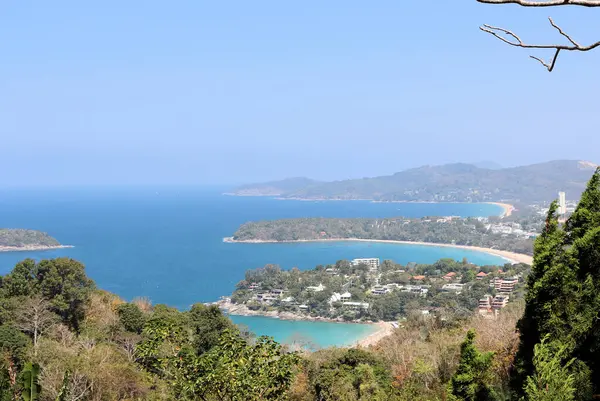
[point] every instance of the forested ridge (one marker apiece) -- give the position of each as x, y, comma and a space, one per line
471, 231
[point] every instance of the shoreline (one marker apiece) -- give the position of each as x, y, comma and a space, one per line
384, 329
30, 248
512, 257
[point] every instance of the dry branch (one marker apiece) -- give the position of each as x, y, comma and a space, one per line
512, 39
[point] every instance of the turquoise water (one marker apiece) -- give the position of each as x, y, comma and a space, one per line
311, 335
166, 243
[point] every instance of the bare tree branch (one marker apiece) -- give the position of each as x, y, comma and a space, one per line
545, 3
512, 39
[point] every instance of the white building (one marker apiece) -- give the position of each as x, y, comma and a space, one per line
562, 203
346, 296
356, 305
373, 263
318, 288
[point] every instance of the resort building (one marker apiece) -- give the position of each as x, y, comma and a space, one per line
485, 304
500, 301
508, 285
373, 263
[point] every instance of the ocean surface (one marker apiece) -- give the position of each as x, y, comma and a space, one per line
167, 243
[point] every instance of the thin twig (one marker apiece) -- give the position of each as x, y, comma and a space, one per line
512, 39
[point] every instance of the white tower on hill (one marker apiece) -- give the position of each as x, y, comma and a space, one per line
562, 203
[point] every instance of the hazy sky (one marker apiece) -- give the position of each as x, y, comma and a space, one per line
206, 92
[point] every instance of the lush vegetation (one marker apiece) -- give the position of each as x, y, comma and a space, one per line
403, 299
452, 182
63, 339
13, 237
469, 231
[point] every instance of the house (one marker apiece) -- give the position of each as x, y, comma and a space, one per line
303, 307
318, 288
356, 305
288, 300
254, 286
331, 271
418, 278
277, 292
450, 276
480, 276
346, 296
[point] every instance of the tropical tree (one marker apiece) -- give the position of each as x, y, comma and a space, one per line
552, 379
472, 378
563, 299
236, 370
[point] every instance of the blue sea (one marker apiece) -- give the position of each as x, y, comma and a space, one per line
166, 243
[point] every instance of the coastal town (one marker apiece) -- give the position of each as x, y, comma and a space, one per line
367, 290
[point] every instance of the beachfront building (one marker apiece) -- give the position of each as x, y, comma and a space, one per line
373, 263
335, 297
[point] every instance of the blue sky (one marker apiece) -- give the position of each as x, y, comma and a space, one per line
221, 92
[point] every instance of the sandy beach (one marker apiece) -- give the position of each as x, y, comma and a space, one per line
508, 208
512, 257
32, 248
385, 329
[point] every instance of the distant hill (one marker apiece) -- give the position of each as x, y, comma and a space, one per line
275, 188
488, 164
457, 182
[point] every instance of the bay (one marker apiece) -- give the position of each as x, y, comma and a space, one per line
165, 243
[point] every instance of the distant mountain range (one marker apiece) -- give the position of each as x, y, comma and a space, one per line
457, 182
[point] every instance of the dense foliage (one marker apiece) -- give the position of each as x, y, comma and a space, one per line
563, 298
16, 237
62, 339
451, 182
469, 231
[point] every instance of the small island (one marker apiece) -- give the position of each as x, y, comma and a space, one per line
18, 239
